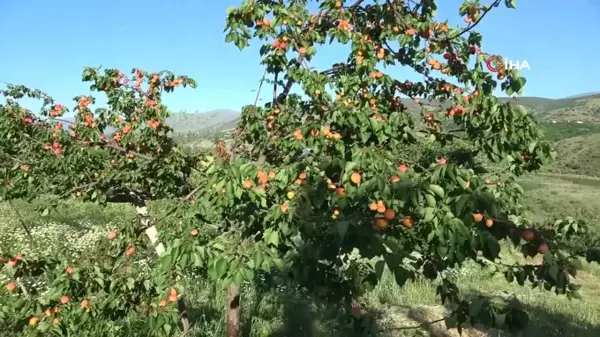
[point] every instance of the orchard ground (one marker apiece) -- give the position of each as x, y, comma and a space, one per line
282, 310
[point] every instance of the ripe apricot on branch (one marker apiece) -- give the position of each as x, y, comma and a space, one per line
248, 184
381, 224
527, 235
477, 217
542, 248
407, 222
130, 251
489, 222
355, 178
380, 207
11, 286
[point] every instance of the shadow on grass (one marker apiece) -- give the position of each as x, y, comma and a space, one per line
201, 315
543, 322
298, 320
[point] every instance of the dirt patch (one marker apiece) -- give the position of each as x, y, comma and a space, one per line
398, 322
589, 282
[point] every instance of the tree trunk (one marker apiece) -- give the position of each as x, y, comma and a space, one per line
233, 311
152, 234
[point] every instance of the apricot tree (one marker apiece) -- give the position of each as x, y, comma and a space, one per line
138, 163
309, 180
330, 171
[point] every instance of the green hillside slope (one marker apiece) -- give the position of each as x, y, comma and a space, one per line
577, 155
585, 109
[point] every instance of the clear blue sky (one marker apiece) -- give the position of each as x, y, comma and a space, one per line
45, 44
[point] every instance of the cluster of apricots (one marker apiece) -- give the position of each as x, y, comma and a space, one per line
472, 14
57, 111
527, 235
121, 79
284, 207
478, 217
139, 77
55, 147
385, 216
281, 44
457, 110
172, 297
434, 63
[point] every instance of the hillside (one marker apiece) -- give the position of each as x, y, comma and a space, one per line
584, 108
571, 109
560, 131
212, 120
578, 155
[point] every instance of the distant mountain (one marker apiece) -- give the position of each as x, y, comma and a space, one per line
192, 122
585, 95
582, 108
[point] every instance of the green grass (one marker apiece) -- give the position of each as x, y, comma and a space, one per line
560, 131
553, 196
577, 155
285, 310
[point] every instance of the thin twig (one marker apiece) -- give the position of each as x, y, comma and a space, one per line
468, 28
21, 221
260, 86
420, 325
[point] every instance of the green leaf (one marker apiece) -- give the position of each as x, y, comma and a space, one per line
428, 214
342, 228
167, 328
491, 247
401, 275
273, 238
258, 259
437, 189
475, 307
238, 278
430, 200
379, 268
349, 167
220, 267
451, 321
279, 264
